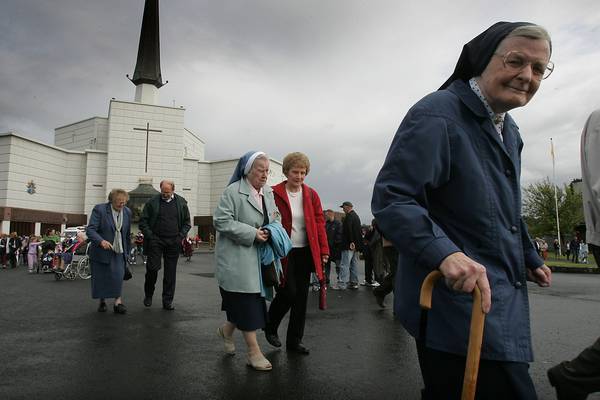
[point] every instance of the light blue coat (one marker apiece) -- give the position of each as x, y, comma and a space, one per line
236, 219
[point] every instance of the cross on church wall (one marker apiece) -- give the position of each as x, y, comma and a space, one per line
147, 130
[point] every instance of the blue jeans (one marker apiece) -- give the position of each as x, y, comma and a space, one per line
348, 269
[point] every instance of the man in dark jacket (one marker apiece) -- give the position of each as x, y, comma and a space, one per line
14, 244
3, 253
351, 244
165, 222
333, 228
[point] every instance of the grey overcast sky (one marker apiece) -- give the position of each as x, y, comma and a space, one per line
332, 78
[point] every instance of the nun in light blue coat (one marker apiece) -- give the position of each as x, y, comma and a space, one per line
246, 205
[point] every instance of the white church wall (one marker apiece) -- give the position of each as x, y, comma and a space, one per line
275, 173
188, 187
87, 134
193, 146
221, 172
95, 180
204, 189
74, 183
4, 166
56, 173
127, 147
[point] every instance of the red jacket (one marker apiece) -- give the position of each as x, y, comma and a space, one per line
313, 219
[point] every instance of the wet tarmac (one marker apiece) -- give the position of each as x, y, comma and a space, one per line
54, 345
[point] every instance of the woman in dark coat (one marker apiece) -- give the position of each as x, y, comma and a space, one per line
108, 232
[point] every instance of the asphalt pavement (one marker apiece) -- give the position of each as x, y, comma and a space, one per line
54, 345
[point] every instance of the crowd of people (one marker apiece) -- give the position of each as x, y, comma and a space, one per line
575, 250
458, 213
47, 253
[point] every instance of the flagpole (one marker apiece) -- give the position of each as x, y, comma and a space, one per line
555, 196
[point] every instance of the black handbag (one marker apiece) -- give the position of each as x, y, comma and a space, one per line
269, 275
127, 275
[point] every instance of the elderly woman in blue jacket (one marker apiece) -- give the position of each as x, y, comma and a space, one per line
108, 231
460, 212
245, 207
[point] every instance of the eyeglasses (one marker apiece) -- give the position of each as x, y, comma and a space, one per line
517, 62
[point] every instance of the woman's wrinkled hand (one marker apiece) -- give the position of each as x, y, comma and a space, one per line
541, 275
262, 235
463, 274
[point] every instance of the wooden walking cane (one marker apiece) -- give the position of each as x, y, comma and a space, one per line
475, 333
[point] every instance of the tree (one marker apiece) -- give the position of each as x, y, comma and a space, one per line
539, 209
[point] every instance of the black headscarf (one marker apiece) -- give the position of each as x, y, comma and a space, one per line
476, 54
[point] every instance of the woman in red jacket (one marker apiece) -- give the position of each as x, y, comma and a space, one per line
302, 217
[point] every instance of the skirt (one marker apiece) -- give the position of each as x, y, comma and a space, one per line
107, 279
247, 311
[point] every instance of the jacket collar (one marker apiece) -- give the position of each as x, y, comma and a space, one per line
246, 190
466, 95
110, 216
281, 191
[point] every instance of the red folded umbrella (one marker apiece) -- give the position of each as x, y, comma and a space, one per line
323, 295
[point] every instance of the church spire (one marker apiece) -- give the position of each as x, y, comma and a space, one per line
147, 77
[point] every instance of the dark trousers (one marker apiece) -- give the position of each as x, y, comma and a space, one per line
595, 250
168, 250
583, 372
12, 258
575, 253
327, 269
368, 254
387, 285
293, 295
443, 375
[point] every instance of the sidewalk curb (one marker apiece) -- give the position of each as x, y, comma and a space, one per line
576, 270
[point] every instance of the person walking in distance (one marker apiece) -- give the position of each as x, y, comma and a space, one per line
165, 222
333, 228
351, 244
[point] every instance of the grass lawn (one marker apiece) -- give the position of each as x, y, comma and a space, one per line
562, 262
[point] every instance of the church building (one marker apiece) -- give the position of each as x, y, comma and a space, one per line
134, 147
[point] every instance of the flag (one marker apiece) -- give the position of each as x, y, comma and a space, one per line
552, 151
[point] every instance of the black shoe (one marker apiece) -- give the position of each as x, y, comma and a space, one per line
168, 306
147, 301
379, 298
119, 308
273, 339
102, 307
298, 348
566, 388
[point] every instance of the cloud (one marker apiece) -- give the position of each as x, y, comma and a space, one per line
332, 79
